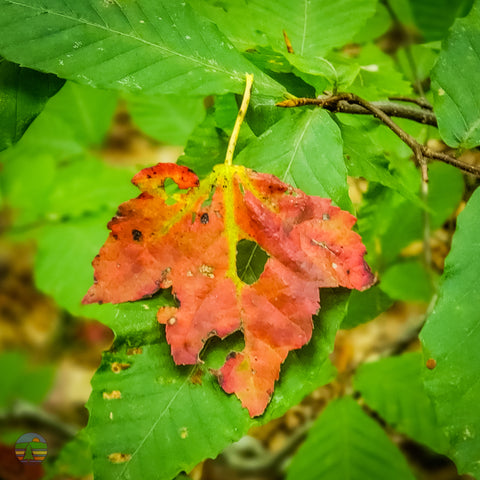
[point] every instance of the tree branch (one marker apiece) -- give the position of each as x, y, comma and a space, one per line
351, 103
419, 115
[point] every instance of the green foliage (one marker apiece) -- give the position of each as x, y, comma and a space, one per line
434, 17
293, 151
166, 118
187, 416
74, 460
23, 93
345, 443
314, 27
153, 47
365, 306
388, 222
177, 68
457, 96
407, 281
393, 387
450, 337
21, 380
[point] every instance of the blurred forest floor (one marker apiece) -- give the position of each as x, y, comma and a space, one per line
31, 323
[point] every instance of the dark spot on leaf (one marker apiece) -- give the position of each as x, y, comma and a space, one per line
115, 236
204, 218
136, 235
196, 377
231, 355
348, 271
135, 351
100, 302
117, 367
431, 363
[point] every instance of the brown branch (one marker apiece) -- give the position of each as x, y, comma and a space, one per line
421, 102
418, 115
350, 103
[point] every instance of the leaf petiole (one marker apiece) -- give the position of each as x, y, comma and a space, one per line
240, 116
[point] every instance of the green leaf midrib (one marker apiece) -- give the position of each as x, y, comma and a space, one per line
155, 423
166, 51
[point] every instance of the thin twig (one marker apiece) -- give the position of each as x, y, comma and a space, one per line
408, 50
418, 115
421, 102
334, 104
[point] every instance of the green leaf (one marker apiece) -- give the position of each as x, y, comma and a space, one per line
167, 118
365, 157
393, 387
304, 150
407, 281
434, 17
151, 417
451, 337
388, 222
64, 256
365, 306
86, 186
457, 97
50, 173
334, 72
313, 26
74, 459
77, 117
375, 26
147, 45
22, 380
378, 76
23, 93
345, 443
206, 147
425, 57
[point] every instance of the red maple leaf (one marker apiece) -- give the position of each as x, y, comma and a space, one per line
191, 246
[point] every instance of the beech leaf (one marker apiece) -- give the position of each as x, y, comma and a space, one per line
188, 241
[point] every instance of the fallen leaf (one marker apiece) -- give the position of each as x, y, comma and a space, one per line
188, 241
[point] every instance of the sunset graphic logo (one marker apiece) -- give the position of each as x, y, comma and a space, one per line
31, 448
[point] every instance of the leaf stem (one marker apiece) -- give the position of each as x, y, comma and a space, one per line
238, 122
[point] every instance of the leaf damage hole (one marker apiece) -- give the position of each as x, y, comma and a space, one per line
251, 260
135, 351
118, 457
172, 189
113, 395
117, 367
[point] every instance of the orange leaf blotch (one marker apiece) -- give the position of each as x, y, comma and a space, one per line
153, 178
190, 246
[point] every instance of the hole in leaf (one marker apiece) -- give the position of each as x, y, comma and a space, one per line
251, 260
172, 189
216, 350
